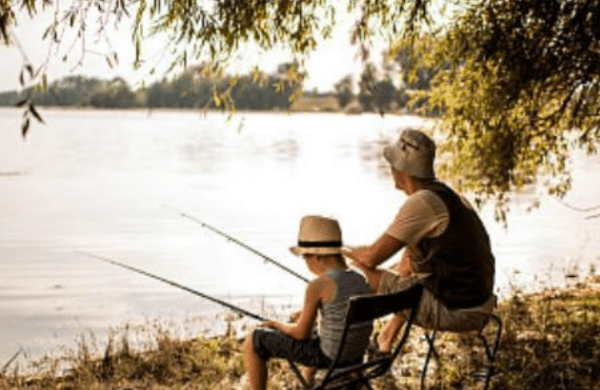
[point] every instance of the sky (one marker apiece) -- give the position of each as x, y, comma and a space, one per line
334, 58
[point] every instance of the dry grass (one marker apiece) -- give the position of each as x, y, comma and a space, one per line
551, 341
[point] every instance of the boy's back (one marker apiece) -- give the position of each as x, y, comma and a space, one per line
347, 284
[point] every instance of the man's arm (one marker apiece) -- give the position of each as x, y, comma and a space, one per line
373, 255
302, 328
404, 267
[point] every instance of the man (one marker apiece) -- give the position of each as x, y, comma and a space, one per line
445, 242
319, 244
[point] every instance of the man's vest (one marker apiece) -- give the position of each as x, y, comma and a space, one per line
460, 259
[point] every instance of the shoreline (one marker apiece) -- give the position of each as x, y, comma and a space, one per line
219, 111
547, 334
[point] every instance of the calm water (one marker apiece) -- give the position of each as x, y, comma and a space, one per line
103, 182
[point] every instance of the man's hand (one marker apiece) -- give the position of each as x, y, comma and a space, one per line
369, 257
359, 256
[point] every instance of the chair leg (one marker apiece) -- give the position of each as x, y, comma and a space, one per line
364, 382
431, 341
430, 351
489, 371
299, 375
491, 352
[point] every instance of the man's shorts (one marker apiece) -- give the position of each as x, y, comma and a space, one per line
270, 343
433, 314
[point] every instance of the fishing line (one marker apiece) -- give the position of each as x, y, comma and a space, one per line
175, 284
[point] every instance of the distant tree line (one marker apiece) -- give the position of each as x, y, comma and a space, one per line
197, 88
194, 88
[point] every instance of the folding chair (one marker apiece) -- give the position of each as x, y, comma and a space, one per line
366, 308
490, 351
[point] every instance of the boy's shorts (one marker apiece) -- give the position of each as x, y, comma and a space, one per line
433, 314
270, 343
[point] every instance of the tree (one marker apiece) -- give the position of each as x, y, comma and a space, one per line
366, 84
344, 90
516, 81
116, 94
384, 94
416, 76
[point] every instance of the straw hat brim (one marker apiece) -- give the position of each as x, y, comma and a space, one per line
298, 250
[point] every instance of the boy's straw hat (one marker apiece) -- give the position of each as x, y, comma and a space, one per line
413, 153
318, 235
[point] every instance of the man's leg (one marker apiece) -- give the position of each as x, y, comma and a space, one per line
255, 366
392, 283
309, 374
389, 333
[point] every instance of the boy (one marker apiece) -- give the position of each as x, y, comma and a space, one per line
319, 244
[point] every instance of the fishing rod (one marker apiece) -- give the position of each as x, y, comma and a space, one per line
230, 238
3, 370
206, 296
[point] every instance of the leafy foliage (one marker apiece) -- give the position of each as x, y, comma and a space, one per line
517, 83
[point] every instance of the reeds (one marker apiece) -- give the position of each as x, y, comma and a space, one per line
551, 341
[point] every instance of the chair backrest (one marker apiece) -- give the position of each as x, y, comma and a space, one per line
367, 308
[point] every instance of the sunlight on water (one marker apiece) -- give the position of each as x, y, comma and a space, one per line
113, 183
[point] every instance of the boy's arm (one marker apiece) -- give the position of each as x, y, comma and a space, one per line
302, 328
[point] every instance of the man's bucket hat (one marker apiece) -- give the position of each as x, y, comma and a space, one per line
413, 153
318, 235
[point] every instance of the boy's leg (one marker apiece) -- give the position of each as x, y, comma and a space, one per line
263, 344
255, 366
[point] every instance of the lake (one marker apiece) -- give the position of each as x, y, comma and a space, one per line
114, 184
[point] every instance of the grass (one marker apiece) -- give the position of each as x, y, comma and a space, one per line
551, 341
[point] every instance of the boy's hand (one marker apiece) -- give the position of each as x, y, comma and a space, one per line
294, 316
270, 324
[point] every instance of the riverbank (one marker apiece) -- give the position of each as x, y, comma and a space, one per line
550, 340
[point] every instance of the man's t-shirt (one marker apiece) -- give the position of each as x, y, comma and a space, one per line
423, 215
